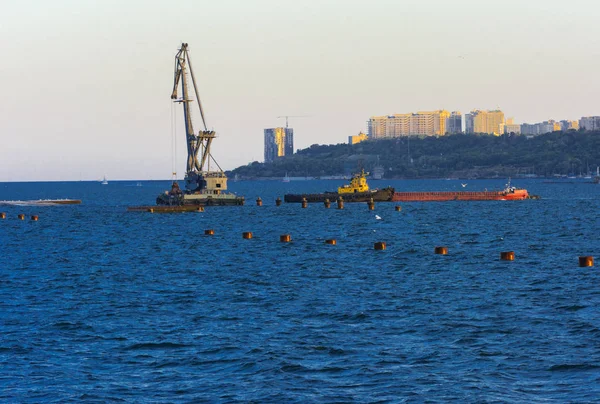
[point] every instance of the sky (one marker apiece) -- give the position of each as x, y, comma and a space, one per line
86, 85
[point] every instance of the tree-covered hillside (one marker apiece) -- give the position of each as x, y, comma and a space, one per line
459, 155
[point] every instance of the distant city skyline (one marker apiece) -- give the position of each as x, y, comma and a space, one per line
87, 84
442, 122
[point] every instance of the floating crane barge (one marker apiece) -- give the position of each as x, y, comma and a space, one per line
203, 186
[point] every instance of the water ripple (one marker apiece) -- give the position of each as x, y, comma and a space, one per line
101, 305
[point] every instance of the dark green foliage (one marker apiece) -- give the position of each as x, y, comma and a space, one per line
459, 155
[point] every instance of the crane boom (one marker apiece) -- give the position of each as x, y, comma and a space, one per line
292, 116
196, 168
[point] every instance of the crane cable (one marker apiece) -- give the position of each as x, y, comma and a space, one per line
173, 141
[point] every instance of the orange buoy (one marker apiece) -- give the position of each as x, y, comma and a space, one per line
258, 201
34, 218
304, 203
441, 250
278, 201
371, 204
380, 245
507, 255
21, 216
247, 235
2, 215
327, 203
285, 238
331, 241
150, 210
340, 203
398, 208
200, 209
209, 232
586, 261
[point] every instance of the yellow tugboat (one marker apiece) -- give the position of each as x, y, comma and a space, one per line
358, 183
357, 191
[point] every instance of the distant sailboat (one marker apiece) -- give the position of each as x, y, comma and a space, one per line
588, 175
286, 178
104, 181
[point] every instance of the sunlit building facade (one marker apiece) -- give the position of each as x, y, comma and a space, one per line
279, 142
566, 125
490, 122
423, 123
549, 126
361, 137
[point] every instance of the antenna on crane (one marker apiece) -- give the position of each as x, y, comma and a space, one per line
291, 116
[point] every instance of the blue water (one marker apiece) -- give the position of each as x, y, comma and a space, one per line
98, 304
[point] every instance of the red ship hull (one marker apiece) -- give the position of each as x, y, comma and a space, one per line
513, 195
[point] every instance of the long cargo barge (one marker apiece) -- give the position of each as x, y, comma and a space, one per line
509, 194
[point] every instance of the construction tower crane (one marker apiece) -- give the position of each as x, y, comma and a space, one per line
292, 116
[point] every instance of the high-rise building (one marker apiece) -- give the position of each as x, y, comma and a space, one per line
566, 125
279, 142
489, 122
530, 129
357, 138
541, 127
549, 126
590, 122
376, 127
424, 123
469, 123
454, 123
511, 128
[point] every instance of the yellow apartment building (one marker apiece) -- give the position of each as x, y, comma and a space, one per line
491, 122
423, 123
361, 137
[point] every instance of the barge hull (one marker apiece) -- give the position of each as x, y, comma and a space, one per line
381, 195
195, 200
165, 208
517, 195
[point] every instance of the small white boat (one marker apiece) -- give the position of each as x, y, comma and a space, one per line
286, 178
104, 181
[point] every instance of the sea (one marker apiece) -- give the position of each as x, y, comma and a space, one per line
98, 304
